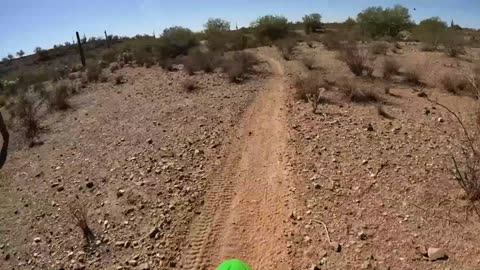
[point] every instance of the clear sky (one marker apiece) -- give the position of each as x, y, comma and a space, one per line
25, 24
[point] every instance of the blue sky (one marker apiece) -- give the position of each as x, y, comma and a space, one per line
26, 24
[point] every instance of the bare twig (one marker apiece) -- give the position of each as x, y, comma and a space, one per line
326, 229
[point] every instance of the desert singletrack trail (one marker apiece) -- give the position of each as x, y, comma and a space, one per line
248, 200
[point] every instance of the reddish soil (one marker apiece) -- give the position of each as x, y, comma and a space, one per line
177, 180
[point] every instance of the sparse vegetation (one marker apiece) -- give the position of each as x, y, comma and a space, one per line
357, 60
25, 108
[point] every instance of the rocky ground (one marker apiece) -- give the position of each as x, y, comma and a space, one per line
383, 188
134, 157
165, 176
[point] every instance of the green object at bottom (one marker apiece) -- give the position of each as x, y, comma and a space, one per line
234, 264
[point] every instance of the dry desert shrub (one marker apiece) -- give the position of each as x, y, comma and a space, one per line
454, 84
93, 72
413, 75
58, 98
189, 85
379, 48
286, 47
357, 60
309, 62
390, 68
118, 79
358, 93
331, 41
26, 109
239, 65
198, 60
311, 89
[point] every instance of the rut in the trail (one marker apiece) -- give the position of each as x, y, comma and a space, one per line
248, 201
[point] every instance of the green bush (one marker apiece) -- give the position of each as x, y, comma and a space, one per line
175, 41
431, 32
109, 55
271, 28
312, 22
380, 22
217, 34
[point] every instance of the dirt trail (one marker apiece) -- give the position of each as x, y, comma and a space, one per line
249, 200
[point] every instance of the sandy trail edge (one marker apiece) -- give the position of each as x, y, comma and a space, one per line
248, 199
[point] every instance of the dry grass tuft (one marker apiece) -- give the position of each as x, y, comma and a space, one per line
26, 109
286, 47
331, 41
80, 216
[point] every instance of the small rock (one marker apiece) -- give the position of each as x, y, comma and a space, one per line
132, 263
422, 94
307, 239
153, 232
149, 141
315, 267
422, 250
440, 120
437, 254
119, 243
369, 127
362, 235
317, 185
120, 193
7, 257
143, 266
90, 185
336, 246
37, 239
60, 188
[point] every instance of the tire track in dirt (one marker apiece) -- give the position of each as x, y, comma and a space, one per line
248, 200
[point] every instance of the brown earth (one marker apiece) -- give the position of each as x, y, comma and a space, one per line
176, 180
